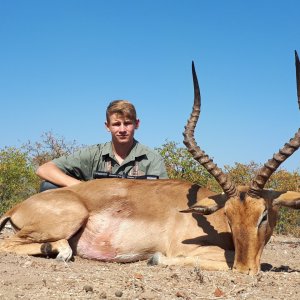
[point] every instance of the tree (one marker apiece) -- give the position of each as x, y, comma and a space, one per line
48, 148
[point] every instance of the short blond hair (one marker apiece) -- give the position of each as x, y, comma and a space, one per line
123, 108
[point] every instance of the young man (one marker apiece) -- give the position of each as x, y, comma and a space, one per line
123, 155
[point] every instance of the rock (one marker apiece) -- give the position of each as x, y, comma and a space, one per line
118, 293
88, 289
102, 295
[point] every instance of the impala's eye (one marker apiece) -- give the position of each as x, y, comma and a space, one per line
263, 218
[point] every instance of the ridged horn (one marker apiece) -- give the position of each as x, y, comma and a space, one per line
199, 155
297, 63
289, 148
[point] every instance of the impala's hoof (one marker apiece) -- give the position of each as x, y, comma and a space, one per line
65, 254
155, 259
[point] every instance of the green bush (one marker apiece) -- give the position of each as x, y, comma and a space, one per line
17, 178
181, 165
289, 219
288, 222
242, 174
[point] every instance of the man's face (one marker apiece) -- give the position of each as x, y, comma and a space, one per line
121, 128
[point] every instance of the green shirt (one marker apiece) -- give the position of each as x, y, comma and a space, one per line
83, 163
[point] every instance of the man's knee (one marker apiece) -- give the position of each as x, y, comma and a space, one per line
47, 185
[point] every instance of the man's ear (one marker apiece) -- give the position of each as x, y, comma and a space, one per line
137, 123
106, 126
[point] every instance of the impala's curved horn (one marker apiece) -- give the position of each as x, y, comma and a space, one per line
297, 63
289, 148
199, 155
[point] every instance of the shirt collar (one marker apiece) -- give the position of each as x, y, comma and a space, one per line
136, 151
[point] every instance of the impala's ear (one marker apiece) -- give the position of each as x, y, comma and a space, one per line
201, 210
288, 199
207, 206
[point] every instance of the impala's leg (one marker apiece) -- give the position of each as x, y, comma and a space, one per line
21, 246
61, 248
32, 242
46, 225
206, 258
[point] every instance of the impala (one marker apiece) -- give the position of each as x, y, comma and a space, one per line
165, 221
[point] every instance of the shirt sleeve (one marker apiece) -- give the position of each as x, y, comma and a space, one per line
80, 164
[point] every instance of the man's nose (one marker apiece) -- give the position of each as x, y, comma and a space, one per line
122, 127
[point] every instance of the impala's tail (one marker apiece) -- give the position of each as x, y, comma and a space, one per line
3, 220
6, 217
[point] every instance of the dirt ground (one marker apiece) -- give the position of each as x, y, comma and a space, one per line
26, 277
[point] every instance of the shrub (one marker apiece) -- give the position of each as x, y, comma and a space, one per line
289, 219
17, 177
17, 167
181, 165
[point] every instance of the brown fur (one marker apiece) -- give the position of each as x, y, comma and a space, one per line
128, 220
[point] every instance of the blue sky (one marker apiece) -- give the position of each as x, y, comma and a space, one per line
62, 62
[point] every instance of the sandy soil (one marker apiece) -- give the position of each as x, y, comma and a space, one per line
26, 277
